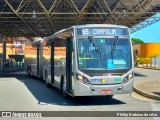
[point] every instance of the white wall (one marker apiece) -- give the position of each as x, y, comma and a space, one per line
157, 61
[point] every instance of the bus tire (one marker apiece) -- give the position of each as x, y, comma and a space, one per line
62, 82
30, 73
64, 87
46, 80
28, 70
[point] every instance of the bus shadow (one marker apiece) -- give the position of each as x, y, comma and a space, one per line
136, 74
54, 96
95, 100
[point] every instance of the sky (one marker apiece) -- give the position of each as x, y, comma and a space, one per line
148, 34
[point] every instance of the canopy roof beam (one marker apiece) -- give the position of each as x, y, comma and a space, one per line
28, 25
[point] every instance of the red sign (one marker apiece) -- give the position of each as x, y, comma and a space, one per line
106, 91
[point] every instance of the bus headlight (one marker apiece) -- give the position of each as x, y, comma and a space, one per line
128, 78
82, 79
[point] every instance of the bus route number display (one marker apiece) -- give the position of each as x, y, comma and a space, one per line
102, 31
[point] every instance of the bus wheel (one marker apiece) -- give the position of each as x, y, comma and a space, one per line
46, 80
30, 73
108, 96
27, 69
64, 87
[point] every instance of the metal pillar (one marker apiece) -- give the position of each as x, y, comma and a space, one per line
0, 51
4, 55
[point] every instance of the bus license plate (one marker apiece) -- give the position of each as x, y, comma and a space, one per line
106, 91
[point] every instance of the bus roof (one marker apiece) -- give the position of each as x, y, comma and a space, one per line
83, 26
99, 25
37, 42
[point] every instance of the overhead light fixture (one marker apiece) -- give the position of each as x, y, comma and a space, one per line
34, 14
115, 21
124, 13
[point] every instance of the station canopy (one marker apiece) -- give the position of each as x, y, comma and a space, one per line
42, 18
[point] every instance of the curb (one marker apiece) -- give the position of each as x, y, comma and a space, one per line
10, 71
148, 68
145, 94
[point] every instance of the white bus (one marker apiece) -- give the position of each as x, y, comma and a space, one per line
85, 60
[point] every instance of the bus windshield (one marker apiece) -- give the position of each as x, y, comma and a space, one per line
111, 55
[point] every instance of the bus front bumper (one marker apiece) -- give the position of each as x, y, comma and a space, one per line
101, 90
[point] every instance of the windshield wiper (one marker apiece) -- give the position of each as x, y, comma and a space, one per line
113, 47
97, 49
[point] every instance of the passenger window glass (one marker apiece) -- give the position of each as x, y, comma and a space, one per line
104, 54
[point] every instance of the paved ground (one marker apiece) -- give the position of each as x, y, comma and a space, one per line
147, 83
149, 89
23, 93
145, 75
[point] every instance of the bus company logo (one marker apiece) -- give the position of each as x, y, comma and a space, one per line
95, 80
98, 80
103, 81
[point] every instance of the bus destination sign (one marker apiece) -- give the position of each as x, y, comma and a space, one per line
102, 31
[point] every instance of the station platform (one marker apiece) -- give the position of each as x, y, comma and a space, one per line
11, 69
149, 89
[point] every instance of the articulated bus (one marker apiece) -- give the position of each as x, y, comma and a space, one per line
84, 60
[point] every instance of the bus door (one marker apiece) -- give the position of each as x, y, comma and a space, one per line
52, 63
69, 64
38, 57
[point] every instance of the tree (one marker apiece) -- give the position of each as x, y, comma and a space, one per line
137, 41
